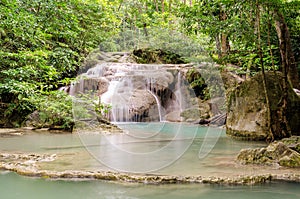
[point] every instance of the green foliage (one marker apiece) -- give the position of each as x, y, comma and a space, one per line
148, 55
42, 45
88, 103
54, 109
236, 20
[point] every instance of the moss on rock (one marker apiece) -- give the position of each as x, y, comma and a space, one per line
158, 56
275, 153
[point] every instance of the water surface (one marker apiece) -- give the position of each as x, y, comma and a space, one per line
13, 186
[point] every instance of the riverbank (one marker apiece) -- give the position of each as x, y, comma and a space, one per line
6, 132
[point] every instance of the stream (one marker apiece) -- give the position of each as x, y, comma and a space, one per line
77, 152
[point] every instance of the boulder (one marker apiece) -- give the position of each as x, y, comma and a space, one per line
35, 120
292, 142
143, 107
247, 110
173, 116
230, 79
195, 114
99, 85
277, 153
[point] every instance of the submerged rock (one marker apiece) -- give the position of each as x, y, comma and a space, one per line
29, 165
277, 153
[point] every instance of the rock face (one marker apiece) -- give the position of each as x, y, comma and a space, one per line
136, 92
230, 80
277, 153
150, 85
247, 111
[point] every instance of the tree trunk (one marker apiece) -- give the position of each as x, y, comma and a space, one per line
218, 46
289, 65
257, 30
281, 127
162, 6
224, 38
156, 5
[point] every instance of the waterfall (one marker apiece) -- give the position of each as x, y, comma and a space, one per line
178, 93
158, 106
177, 103
134, 90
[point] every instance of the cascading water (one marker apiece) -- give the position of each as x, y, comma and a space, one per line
136, 92
158, 106
178, 103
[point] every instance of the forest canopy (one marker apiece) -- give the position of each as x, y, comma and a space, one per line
43, 43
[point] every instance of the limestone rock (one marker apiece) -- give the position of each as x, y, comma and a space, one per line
143, 107
247, 111
292, 142
193, 114
230, 79
173, 116
34, 120
275, 153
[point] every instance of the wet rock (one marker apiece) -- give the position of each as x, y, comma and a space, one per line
173, 117
203, 121
92, 84
195, 114
28, 165
10, 132
96, 126
277, 153
141, 103
191, 115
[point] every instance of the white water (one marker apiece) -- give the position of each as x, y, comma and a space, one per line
131, 87
179, 104
158, 106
